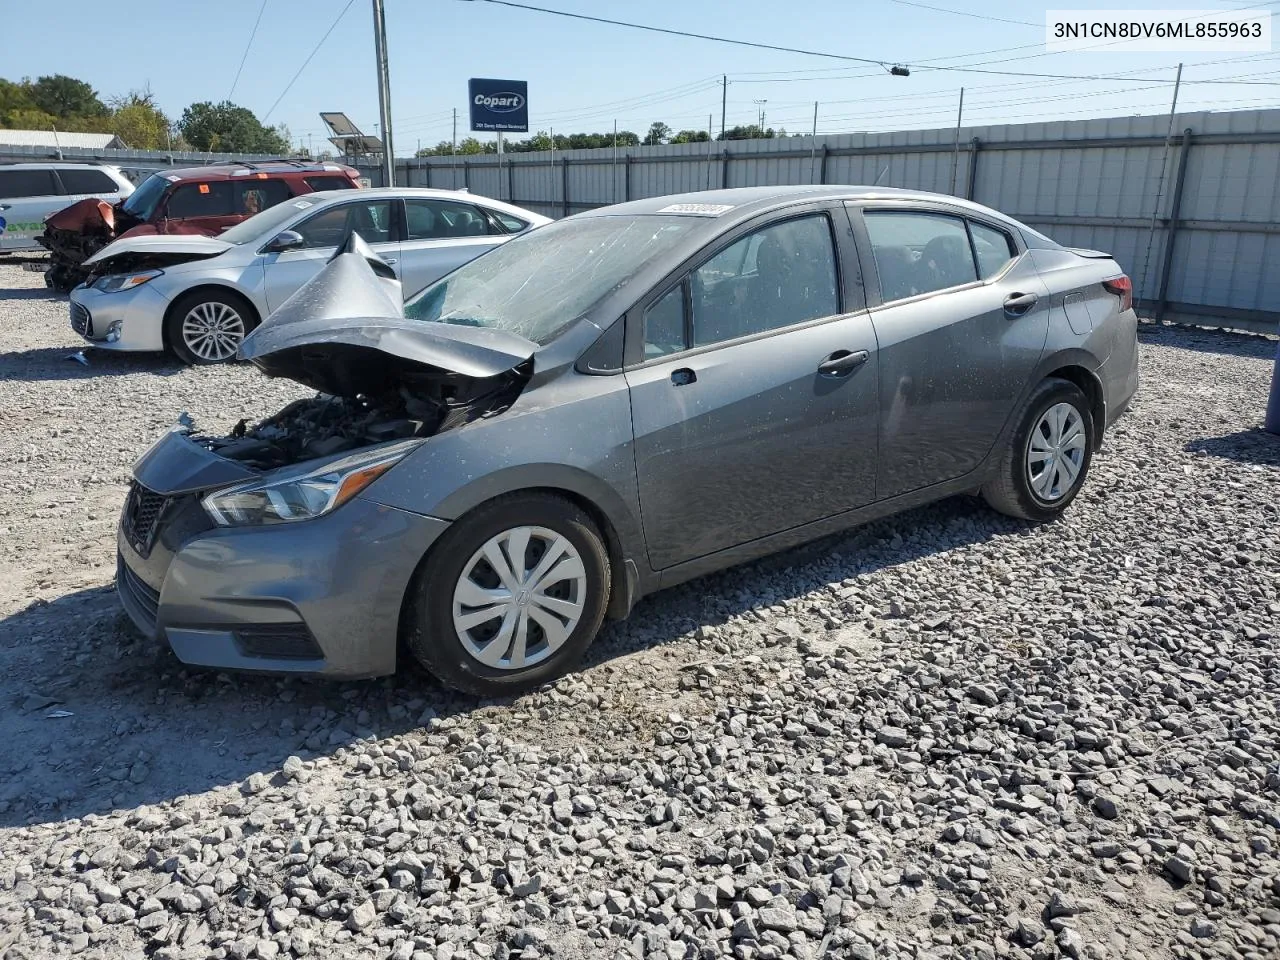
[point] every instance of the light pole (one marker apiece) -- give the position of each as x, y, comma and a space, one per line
384, 94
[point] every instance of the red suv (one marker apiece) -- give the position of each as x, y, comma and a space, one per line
199, 200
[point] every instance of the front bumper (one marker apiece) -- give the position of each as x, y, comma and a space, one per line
320, 596
137, 314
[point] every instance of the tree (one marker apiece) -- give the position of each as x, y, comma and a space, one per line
658, 133
228, 128
469, 146
751, 131
65, 97
691, 136
141, 124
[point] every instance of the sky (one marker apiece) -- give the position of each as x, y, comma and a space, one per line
583, 76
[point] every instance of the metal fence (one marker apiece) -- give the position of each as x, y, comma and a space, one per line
1194, 218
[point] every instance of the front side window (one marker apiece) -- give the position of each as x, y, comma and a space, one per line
778, 276
16, 184
191, 200
664, 324
88, 180
371, 219
918, 253
443, 219
992, 247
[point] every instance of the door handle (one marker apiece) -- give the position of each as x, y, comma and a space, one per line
842, 363
1019, 304
5, 206
390, 260
683, 376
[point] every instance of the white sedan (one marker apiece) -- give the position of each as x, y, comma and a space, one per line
200, 296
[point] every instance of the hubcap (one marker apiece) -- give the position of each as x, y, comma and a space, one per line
213, 331
1055, 452
519, 598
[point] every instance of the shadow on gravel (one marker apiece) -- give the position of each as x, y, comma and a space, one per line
29, 293
58, 363
1225, 342
143, 728
1244, 446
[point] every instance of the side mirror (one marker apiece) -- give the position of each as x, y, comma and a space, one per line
285, 240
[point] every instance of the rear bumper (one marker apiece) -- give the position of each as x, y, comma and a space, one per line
317, 597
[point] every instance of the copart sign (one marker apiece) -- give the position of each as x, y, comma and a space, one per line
499, 105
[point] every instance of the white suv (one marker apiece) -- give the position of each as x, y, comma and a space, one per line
29, 192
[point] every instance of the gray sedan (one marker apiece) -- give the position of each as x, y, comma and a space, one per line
611, 404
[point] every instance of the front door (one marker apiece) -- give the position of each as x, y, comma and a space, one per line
754, 410
961, 325
322, 232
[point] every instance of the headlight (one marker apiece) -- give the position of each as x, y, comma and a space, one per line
125, 281
305, 494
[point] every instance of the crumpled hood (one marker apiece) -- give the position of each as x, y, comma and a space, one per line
344, 333
192, 245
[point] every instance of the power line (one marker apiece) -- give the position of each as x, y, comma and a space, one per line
314, 51
252, 33
964, 13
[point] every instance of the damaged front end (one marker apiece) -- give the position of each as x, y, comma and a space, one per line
74, 235
382, 381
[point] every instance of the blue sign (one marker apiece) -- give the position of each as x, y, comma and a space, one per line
499, 105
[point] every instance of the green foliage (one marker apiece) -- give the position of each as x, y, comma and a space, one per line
141, 124
227, 128
66, 97
750, 131
690, 136
658, 133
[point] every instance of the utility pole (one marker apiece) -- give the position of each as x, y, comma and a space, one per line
384, 94
615, 162
813, 142
710, 128
955, 157
1139, 294
724, 99
453, 175
760, 115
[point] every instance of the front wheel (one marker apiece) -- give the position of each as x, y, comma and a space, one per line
208, 326
1047, 459
511, 596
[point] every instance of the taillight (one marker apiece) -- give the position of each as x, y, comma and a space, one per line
1122, 287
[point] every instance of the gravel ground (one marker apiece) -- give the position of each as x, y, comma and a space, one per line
943, 735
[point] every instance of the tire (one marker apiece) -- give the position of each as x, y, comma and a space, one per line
1017, 488
209, 310
450, 636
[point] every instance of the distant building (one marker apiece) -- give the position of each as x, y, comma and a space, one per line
54, 141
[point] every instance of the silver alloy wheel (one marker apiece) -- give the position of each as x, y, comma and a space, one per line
519, 598
213, 330
1055, 452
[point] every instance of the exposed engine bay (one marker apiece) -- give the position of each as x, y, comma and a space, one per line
324, 425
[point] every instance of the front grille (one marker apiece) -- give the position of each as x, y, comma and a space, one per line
81, 321
144, 601
142, 512
277, 641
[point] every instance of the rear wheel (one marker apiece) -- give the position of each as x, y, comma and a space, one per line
1045, 463
511, 597
208, 326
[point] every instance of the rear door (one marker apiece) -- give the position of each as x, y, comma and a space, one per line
322, 232
26, 198
961, 316
753, 393
441, 235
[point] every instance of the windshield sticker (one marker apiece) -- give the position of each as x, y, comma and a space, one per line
173, 178
706, 209
303, 204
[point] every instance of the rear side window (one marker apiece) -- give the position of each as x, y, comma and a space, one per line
919, 252
329, 183
15, 184
192, 200
992, 247
88, 180
258, 195
443, 219
510, 224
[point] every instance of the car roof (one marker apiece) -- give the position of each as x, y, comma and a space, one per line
58, 165
731, 206
431, 193
238, 171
